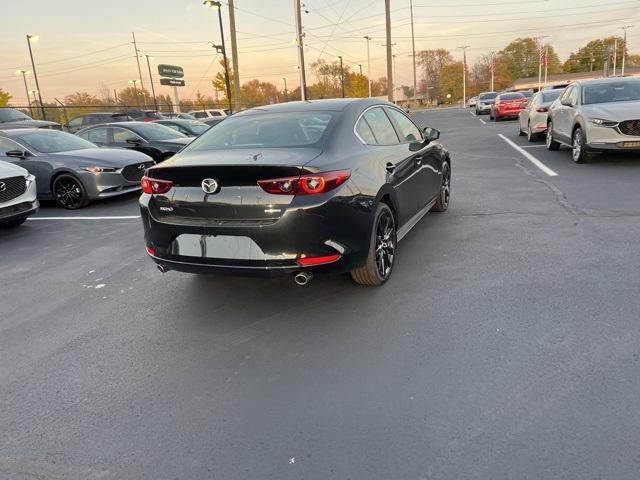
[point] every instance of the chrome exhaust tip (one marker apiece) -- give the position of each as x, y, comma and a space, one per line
162, 269
302, 278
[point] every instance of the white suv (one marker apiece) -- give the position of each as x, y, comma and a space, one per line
596, 116
17, 195
209, 113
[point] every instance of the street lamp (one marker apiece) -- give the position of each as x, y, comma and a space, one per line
220, 49
286, 96
33, 38
24, 74
223, 50
341, 74
359, 65
153, 90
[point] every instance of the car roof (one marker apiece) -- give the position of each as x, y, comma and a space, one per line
130, 123
332, 104
605, 80
14, 132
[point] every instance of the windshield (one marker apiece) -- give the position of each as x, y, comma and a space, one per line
611, 92
156, 132
488, 96
551, 95
295, 129
54, 141
198, 127
11, 115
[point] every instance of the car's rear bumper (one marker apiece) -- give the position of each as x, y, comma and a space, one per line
337, 227
18, 211
507, 113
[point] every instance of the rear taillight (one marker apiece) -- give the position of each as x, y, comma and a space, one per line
311, 184
542, 109
154, 186
309, 261
150, 251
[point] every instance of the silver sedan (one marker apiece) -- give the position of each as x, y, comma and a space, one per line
532, 121
70, 170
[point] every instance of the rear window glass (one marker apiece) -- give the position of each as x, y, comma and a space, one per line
512, 96
550, 95
269, 130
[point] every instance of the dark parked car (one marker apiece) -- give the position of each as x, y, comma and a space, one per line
182, 116
145, 115
12, 118
70, 170
190, 128
295, 189
157, 141
86, 120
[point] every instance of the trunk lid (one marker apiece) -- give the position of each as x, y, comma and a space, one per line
238, 199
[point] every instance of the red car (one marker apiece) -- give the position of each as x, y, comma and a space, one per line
508, 105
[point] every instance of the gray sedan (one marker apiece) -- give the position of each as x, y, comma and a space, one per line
70, 170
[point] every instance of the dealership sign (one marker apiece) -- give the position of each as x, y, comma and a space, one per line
171, 71
172, 82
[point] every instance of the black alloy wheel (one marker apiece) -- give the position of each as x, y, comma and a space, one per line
382, 250
442, 203
68, 192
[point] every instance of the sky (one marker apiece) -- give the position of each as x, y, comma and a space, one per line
85, 45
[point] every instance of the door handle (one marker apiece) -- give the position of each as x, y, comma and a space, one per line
390, 167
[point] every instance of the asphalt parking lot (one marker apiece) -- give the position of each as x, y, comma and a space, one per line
505, 345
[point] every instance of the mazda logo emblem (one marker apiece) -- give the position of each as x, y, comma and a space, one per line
209, 185
3, 186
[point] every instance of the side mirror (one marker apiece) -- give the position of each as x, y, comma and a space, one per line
134, 141
16, 154
431, 134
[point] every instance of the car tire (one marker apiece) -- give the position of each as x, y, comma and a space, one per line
531, 136
551, 143
444, 197
68, 192
520, 132
14, 223
578, 152
380, 257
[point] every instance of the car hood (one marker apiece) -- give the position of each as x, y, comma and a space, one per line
10, 170
176, 141
108, 157
30, 124
617, 111
244, 156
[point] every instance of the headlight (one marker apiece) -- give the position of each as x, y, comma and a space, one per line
96, 170
604, 123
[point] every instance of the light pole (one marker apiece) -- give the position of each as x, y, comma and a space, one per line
153, 90
33, 38
221, 48
24, 74
286, 95
393, 85
135, 90
368, 39
624, 47
341, 74
540, 54
493, 68
464, 74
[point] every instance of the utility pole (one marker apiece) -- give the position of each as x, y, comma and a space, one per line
464, 74
24, 74
286, 95
234, 53
153, 90
368, 39
624, 47
413, 51
135, 47
299, 41
546, 64
387, 15
341, 75
394, 74
493, 68
35, 75
222, 48
615, 55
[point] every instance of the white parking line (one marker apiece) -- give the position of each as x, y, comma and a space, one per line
123, 217
530, 157
483, 122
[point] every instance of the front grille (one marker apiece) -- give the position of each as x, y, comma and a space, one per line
11, 188
630, 127
15, 209
134, 173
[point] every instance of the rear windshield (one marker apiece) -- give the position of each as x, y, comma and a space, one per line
550, 95
511, 96
11, 115
488, 96
270, 130
611, 92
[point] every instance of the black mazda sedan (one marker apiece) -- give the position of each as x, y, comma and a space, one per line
296, 189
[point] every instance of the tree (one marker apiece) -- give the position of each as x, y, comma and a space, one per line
255, 93
4, 98
591, 56
521, 59
451, 81
432, 62
133, 97
220, 84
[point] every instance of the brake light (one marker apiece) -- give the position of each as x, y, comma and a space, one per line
308, 261
155, 186
311, 184
542, 109
150, 251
